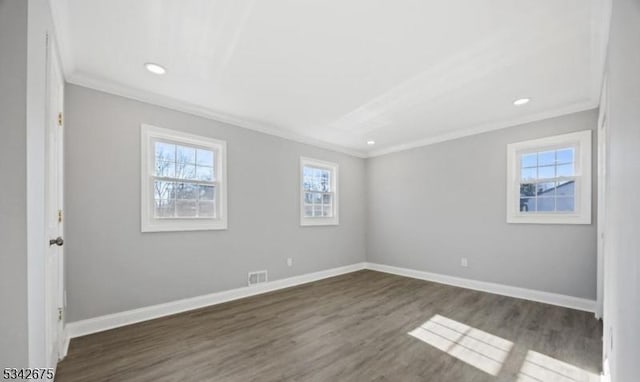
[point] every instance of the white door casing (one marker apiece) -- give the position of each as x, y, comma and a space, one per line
602, 188
54, 262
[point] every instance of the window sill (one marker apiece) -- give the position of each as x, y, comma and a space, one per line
182, 225
315, 222
549, 219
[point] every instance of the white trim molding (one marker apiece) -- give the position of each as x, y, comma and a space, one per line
115, 320
487, 128
484, 286
111, 87
125, 91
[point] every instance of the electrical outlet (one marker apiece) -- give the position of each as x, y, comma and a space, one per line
464, 262
289, 261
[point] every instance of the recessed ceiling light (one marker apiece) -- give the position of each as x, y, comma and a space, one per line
521, 101
155, 68
371, 143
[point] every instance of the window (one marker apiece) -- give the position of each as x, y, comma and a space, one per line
183, 181
549, 180
318, 192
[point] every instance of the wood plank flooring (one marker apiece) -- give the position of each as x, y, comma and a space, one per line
354, 327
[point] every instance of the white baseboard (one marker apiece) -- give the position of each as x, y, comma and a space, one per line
65, 345
483, 286
115, 320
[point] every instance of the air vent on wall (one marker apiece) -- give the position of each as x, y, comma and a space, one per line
257, 277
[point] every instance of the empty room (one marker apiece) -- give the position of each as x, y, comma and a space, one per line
320, 190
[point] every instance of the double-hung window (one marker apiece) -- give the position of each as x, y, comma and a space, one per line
183, 181
549, 180
318, 192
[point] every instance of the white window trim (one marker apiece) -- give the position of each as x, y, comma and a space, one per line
319, 221
581, 140
148, 222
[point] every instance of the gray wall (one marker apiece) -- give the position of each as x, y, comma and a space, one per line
112, 267
622, 224
13, 172
433, 205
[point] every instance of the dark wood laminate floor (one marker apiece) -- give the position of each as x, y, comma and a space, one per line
364, 326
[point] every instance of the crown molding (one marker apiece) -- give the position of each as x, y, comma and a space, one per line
114, 88
574, 108
173, 104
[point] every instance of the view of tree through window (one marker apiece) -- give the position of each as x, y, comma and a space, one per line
184, 181
547, 181
318, 195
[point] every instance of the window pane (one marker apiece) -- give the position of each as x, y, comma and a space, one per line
546, 189
185, 171
185, 154
546, 172
317, 198
166, 169
206, 209
546, 158
527, 204
307, 183
204, 173
565, 170
163, 190
565, 204
204, 157
527, 189
327, 210
529, 160
186, 191
566, 188
307, 172
325, 180
546, 204
308, 197
317, 181
165, 151
310, 184
565, 156
308, 210
317, 210
326, 198
186, 208
207, 192
164, 208
529, 173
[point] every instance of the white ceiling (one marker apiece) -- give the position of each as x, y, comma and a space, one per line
337, 73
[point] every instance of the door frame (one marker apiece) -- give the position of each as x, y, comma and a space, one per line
54, 194
601, 201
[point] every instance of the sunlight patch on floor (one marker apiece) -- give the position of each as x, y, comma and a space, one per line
539, 367
473, 346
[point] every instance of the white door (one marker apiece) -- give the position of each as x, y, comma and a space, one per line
54, 272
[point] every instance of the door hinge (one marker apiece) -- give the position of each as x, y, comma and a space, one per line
60, 119
59, 216
59, 314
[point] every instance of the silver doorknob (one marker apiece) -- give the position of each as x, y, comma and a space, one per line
57, 241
